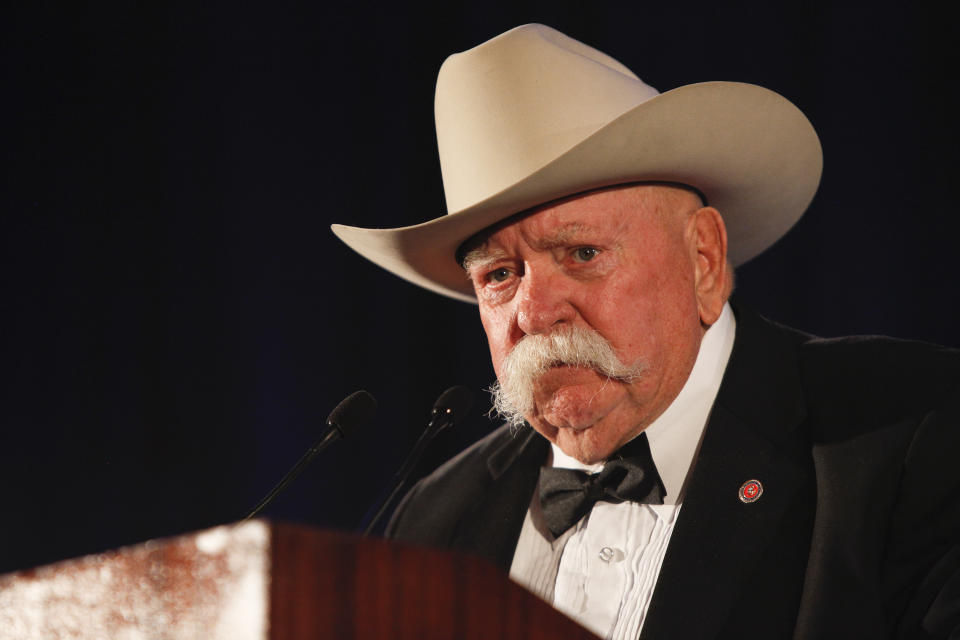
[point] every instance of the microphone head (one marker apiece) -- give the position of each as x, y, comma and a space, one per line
353, 411
456, 401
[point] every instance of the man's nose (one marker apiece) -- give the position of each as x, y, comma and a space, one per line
543, 302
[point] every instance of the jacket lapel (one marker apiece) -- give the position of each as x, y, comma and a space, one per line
492, 528
720, 539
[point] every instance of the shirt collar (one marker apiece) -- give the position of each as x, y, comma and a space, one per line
675, 435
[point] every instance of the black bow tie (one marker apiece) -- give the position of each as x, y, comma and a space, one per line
566, 495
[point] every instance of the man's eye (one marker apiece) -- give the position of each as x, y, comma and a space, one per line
498, 275
585, 254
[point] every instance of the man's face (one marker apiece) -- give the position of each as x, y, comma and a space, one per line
627, 263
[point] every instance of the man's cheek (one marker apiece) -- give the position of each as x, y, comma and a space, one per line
500, 349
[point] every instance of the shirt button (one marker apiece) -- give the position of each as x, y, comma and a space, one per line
610, 554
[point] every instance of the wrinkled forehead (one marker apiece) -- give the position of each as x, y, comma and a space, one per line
664, 195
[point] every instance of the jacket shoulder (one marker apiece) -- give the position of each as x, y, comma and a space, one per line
876, 378
884, 425
432, 508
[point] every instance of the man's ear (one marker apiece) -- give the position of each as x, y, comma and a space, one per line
712, 272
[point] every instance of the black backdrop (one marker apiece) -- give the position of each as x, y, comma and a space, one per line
177, 319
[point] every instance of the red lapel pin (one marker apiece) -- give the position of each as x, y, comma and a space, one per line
750, 491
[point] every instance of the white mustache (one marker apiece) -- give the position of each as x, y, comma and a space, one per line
534, 355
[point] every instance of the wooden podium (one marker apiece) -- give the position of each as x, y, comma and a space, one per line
261, 580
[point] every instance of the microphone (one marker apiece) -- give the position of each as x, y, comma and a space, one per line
353, 411
453, 404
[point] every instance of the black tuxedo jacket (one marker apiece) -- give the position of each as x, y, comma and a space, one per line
856, 442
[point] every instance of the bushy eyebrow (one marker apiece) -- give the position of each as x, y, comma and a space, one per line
482, 257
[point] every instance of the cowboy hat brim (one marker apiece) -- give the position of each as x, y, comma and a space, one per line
748, 150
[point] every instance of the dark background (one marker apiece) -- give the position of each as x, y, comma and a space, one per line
177, 319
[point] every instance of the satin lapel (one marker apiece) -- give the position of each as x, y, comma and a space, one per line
750, 435
492, 528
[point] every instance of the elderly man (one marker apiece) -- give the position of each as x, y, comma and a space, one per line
670, 465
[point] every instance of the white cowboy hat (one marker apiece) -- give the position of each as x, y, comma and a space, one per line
534, 115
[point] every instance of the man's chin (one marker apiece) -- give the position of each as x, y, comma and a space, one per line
579, 406
581, 412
